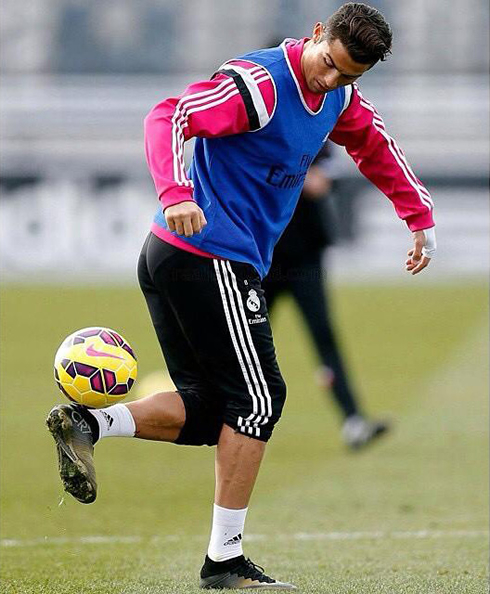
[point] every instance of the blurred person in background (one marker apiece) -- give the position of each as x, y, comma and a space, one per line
259, 122
297, 269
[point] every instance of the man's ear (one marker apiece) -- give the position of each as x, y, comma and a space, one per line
318, 31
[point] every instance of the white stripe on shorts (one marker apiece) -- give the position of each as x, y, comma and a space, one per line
265, 388
249, 425
243, 342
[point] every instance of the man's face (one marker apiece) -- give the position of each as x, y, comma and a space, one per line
326, 65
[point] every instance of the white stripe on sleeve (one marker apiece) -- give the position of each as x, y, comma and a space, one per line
180, 115
253, 86
398, 154
348, 96
201, 101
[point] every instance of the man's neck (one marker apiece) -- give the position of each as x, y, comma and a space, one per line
306, 47
313, 100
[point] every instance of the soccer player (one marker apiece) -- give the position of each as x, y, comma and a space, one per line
258, 123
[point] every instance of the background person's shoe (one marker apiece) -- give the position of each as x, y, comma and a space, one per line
358, 432
239, 573
74, 439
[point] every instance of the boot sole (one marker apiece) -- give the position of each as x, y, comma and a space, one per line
226, 582
73, 472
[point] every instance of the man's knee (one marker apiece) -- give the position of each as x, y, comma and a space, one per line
260, 423
203, 420
278, 400
169, 409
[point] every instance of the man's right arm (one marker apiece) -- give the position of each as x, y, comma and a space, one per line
217, 107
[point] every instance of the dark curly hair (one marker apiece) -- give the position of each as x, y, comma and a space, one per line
362, 30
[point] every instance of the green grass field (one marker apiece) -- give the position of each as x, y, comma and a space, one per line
407, 516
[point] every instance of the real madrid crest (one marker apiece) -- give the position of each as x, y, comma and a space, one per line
253, 302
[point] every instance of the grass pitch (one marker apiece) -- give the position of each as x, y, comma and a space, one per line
407, 516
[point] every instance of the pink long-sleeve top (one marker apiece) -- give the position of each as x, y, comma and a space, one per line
219, 110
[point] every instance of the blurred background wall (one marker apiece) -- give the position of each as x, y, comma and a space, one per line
79, 76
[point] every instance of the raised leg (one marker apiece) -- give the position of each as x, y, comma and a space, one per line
159, 417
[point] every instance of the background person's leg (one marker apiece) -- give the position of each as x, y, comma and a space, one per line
309, 291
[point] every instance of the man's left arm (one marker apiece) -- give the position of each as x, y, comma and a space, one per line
362, 132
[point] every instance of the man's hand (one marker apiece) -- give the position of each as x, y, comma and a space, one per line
424, 248
185, 218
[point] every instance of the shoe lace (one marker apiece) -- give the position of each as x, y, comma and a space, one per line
256, 572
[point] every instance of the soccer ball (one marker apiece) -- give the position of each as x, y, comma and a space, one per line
95, 367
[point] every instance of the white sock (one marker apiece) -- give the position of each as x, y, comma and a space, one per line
227, 533
114, 421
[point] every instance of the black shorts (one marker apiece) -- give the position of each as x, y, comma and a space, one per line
211, 320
